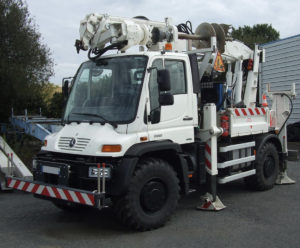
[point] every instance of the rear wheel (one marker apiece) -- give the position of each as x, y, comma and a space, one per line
151, 198
267, 168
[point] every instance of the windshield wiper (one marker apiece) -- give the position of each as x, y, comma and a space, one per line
99, 116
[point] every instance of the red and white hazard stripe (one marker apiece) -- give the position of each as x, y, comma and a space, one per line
248, 111
208, 203
54, 192
208, 155
207, 206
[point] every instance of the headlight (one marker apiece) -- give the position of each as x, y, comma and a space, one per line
93, 172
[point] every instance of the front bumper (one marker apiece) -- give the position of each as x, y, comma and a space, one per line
76, 176
73, 171
93, 199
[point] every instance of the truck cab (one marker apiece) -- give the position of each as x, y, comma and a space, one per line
116, 103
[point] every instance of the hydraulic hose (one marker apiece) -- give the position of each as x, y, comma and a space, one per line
292, 107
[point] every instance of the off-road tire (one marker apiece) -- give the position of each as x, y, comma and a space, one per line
267, 168
151, 198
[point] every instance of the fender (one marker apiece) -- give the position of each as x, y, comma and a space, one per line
138, 150
123, 173
262, 139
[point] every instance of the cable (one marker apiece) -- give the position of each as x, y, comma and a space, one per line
292, 107
185, 27
190, 27
233, 85
232, 91
99, 52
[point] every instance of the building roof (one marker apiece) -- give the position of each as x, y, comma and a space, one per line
275, 41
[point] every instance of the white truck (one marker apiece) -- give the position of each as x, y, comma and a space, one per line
141, 128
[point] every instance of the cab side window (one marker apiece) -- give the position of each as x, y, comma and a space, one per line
177, 76
153, 86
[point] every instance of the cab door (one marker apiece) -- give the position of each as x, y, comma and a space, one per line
173, 122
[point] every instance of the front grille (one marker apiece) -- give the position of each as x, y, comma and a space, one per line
79, 146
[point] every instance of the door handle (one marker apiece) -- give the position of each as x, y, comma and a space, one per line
187, 118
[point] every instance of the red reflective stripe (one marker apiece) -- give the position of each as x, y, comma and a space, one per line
250, 111
80, 198
17, 184
25, 186
263, 110
257, 111
208, 164
206, 205
244, 112
9, 181
35, 188
56, 193
92, 199
237, 112
45, 192
207, 148
69, 197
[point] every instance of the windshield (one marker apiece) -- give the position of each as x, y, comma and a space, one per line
107, 90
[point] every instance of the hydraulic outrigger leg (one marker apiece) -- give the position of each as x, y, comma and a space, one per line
210, 201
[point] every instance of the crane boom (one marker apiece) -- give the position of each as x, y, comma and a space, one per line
96, 31
100, 33
100, 30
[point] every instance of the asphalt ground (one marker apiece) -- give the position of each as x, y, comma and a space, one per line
251, 219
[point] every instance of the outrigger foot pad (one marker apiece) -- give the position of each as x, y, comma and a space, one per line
208, 204
284, 179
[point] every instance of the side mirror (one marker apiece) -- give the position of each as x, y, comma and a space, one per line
166, 99
163, 80
65, 89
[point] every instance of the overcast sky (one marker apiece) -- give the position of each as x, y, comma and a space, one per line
58, 20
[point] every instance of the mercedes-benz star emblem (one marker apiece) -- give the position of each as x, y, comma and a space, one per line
72, 142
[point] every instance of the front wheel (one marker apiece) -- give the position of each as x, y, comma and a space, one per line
267, 168
152, 196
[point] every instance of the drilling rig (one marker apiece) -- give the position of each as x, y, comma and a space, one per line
170, 111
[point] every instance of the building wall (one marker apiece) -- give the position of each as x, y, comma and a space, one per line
282, 68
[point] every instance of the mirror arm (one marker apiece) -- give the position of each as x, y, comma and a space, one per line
151, 68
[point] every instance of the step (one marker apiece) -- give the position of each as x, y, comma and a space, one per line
235, 162
237, 176
237, 146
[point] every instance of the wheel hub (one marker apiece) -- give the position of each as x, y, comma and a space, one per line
153, 196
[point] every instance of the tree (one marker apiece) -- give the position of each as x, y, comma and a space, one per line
24, 61
41, 96
258, 34
55, 108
